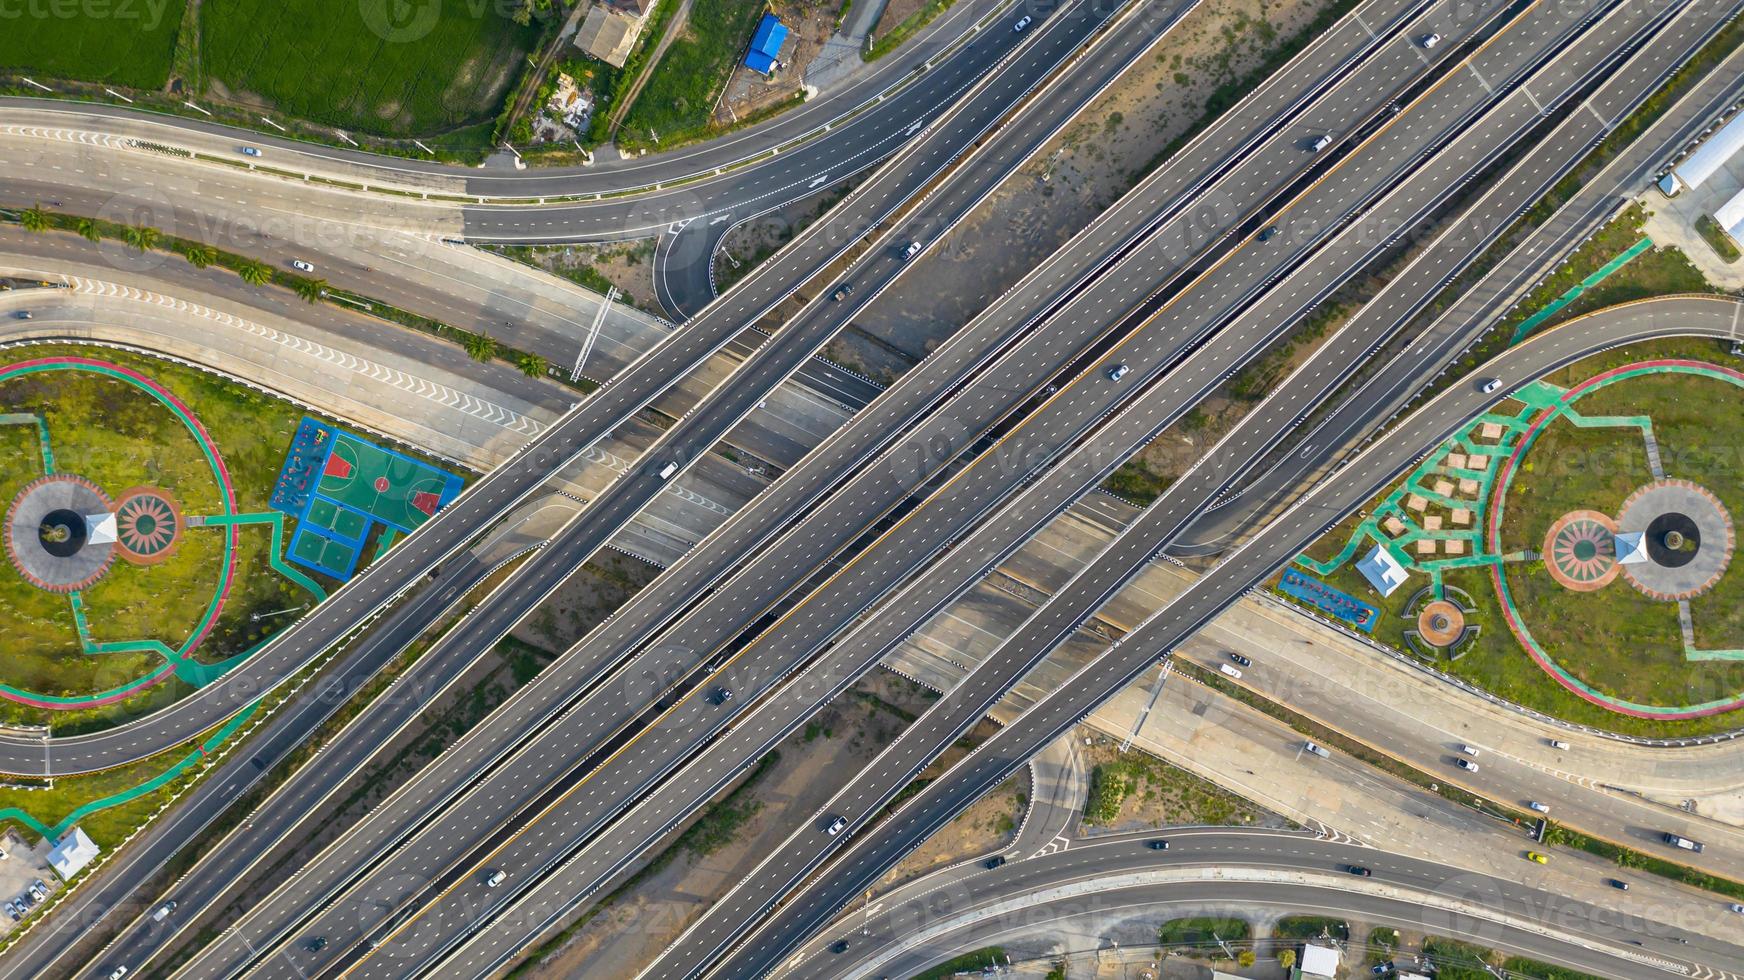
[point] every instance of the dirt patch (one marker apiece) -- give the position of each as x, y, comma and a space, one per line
983, 830
626, 265
1117, 140
748, 92
583, 600
628, 928
1137, 791
895, 12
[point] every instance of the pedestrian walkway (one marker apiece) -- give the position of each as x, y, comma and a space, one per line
1534, 321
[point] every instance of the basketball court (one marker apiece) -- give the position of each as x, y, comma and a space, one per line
340, 486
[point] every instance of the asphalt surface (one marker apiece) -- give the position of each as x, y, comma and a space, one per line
1107, 879
597, 802
1070, 606
1082, 87
651, 374
873, 850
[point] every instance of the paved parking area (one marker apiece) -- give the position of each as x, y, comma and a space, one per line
22, 865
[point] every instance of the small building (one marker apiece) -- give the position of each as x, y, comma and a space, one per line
609, 33
71, 853
1318, 962
766, 45
1730, 217
1382, 570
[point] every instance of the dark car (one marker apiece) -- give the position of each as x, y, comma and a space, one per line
995, 861
1619, 884
1158, 845
842, 292
1267, 232
1238, 658
720, 695
839, 946
1359, 871
317, 944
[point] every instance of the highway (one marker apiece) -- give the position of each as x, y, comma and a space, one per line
682, 195
1083, 83
652, 373
876, 848
694, 707
1107, 880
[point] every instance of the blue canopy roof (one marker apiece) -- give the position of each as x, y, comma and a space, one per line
766, 44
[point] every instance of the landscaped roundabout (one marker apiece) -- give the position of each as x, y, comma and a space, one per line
123, 532
1573, 549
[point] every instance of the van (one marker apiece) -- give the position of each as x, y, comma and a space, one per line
667, 471
1231, 671
1317, 749
163, 911
495, 879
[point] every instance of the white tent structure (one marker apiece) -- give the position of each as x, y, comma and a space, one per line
71, 853
1631, 548
1731, 217
1319, 961
1382, 570
100, 528
1708, 158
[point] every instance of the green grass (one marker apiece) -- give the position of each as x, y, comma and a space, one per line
131, 44
908, 28
679, 99
1202, 932
1640, 655
343, 63
967, 963
107, 827
1717, 239
1188, 798
1305, 927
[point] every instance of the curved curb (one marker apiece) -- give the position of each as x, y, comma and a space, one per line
1492, 536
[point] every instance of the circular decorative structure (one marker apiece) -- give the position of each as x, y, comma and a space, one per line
1580, 550
148, 525
1688, 538
49, 533
1440, 623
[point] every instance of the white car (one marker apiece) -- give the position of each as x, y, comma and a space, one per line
837, 825
1429, 41
1117, 372
301, 266
1466, 764
249, 151
911, 251
495, 879
1024, 23
1490, 385
1538, 807
1231, 671
1470, 750
1557, 743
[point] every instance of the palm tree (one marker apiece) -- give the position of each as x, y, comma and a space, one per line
479, 347
140, 238
34, 218
199, 256
531, 365
310, 289
255, 273
88, 230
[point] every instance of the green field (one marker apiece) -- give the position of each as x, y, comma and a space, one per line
122, 42
681, 94
349, 63
116, 436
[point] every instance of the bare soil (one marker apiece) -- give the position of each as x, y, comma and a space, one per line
1163, 795
643, 917
895, 12
626, 265
809, 25
583, 600
1113, 143
984, 829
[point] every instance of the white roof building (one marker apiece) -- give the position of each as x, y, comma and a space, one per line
1731, 217
1319, 961
100, 528
1382, 570
71, 853
1708, 158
